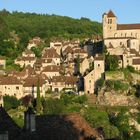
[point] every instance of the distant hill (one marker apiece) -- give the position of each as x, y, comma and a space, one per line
28, 25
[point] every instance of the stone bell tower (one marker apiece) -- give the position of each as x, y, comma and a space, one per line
109, 21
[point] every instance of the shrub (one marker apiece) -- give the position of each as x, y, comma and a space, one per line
131, 69
81, 99
26, 100
10, 102
117, 85
53, 106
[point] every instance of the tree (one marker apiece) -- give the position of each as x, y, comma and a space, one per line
53, 106
10, 102
38, 99
26, 101
121, 121
111, 62
78, 63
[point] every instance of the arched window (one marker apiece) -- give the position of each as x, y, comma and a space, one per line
125, 34
115, 35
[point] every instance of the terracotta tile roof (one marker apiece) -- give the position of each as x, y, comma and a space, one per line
50, 53
79, 50
32, 81
71, 127
111, 14
52, 68
136, 61
68, 50
39, 62
128, 26
72, 80
11, 80
27, 51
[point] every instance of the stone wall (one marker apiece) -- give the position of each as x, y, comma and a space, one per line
109, 98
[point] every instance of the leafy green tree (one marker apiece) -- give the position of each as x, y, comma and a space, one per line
10, 102
111, 62
53, 106
78, 63
121, 121
29, 25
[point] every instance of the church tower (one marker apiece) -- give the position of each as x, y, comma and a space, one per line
109, 24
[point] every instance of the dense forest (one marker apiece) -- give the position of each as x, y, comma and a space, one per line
28, 25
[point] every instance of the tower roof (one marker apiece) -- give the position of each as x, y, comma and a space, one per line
111, 14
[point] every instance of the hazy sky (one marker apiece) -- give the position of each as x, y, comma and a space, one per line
127, 11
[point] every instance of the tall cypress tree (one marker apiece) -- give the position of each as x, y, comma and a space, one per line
38, 99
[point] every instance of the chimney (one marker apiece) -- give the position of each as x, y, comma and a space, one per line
4, 135
29, 120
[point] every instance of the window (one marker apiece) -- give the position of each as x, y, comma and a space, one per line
109, 21
125, 34
120, 43
98, 65
89, 81
17, 88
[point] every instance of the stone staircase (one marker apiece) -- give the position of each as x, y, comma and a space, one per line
92, 99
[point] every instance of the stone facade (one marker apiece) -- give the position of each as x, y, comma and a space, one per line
91, 78
122, 39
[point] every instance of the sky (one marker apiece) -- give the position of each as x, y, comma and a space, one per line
127, 11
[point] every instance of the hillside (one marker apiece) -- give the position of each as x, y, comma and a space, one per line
28, 25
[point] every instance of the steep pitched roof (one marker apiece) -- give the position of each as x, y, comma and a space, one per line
50, 53
7, 124
71, 127
65, 79
10, 81
136, 61
128, 26
32, 81
111, 14
52, 68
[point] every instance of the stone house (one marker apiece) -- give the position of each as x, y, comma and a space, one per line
36, 41
28, 58
60, 83
30, 85
11, 86
51, 54
90, 80
57, 46
51, 70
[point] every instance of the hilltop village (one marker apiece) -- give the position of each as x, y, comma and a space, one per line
62, 85
59, 68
